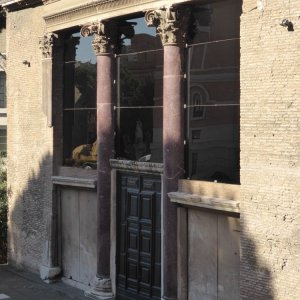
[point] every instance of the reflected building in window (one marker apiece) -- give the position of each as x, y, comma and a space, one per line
214, 95
3, 116
79, 104
139, 108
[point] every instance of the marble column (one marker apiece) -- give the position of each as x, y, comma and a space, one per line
46, 45
104, 40
171, 26
49, 268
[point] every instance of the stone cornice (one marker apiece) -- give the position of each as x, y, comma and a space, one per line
21, 4
100, 10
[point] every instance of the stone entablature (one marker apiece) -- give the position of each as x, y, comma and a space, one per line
57, 17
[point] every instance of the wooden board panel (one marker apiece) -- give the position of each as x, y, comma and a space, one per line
228, 258
87, 236
70, 233
202, 255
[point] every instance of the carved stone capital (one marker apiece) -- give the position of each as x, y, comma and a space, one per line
171, 24
46, 44
106, 36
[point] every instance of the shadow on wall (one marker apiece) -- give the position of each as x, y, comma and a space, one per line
30, 210
3, 211
256, 280
216, 268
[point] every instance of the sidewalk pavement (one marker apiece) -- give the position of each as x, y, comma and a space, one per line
21, 285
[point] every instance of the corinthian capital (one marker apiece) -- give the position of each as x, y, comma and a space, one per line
171, 23
46, 44
106, 35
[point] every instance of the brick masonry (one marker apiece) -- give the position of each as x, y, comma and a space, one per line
270, 147
270, 143
29, 142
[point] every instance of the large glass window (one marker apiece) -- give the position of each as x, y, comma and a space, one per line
79, 107
139, 105
3, 140
2, 90
213, 118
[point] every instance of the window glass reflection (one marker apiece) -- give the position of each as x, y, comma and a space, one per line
139, 109
79, 114
213, 114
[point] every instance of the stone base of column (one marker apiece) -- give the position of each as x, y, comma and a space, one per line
49, 274
101, 290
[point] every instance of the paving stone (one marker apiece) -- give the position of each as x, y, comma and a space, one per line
20, 285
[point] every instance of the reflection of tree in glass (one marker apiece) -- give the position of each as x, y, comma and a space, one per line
128, 85
137, 89
84, 130
85, 83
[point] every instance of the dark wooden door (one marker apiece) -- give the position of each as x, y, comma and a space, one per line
138, 237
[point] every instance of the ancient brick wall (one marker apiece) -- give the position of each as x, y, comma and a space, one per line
3, 41
270, 147
270, 143
29, 141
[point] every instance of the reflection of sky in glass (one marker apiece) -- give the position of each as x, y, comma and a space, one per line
85, 51
142, 27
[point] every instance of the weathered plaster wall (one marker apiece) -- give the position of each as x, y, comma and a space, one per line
270, 147
29, 142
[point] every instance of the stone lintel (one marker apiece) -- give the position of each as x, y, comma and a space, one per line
210, 203
210, 189
74, 182
136, 166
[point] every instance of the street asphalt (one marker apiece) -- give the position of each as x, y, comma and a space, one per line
21, 285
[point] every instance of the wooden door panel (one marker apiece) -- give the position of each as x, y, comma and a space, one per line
78, 234
138, 237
